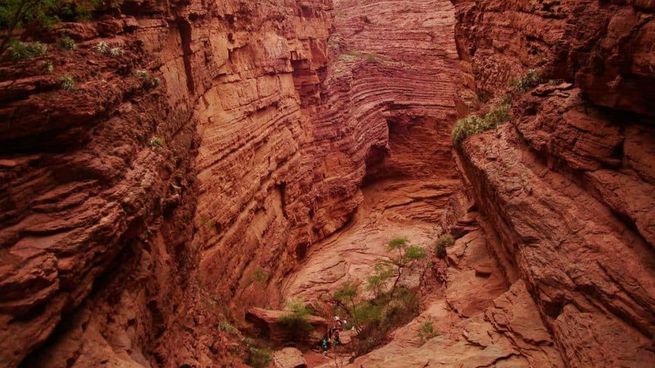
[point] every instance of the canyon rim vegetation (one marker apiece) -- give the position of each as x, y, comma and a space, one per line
186, 183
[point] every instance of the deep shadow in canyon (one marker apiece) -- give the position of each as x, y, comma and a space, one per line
189, 160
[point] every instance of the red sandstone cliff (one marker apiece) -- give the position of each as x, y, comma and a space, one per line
101, 236
567, 184
134, 217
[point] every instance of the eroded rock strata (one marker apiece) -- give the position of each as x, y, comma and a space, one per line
237, 153
566, 184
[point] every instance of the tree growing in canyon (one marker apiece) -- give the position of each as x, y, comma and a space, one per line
392, 304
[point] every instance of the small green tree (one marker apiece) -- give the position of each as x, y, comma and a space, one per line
382, 273
392, 303
346, 295
407, 257
441, 245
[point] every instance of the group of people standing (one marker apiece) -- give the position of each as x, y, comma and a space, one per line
331, 338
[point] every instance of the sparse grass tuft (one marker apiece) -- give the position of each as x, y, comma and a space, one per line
66, 43
27, 50
142, 73
156, 142
102, 47
115, 51
260, 276
530, 80
67, 82
427, 331
474, 124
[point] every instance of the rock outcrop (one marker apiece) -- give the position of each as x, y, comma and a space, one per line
272, 326
101, 234
476, 318
566, 184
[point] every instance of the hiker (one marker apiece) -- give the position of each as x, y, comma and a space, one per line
324, 345
330, 332
338, 323
336, 341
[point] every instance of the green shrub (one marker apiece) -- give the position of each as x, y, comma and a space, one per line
102, 47
530, 80
66, 43
156, 142
258, 357
147, 80
153, 82
142, 73
227, 327
67, 82
445, 240
442, 243
116, 51
427, 331
27, 50
43, 14
48, 66
474, 124
259, 275
355, 55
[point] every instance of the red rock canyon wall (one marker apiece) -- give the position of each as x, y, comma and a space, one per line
134, 216
568, 183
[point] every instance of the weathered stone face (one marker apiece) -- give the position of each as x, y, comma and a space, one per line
229, 154
564, 184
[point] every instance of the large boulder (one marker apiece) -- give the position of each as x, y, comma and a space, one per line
289, 358
268, 324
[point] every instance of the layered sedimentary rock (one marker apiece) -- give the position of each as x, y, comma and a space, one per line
567, 184
478, 321
283, 159
100, 227
185, 174
99, 190
390, 89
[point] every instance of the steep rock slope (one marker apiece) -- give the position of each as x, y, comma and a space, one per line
99, 261
238, 103
91, 175
283, 158
390, 88
567, 184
